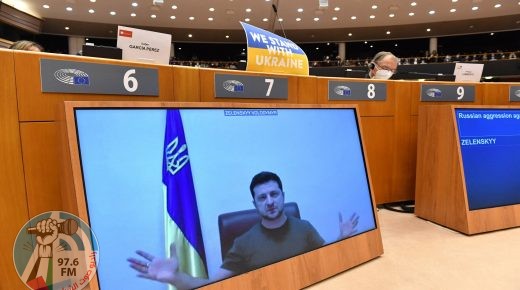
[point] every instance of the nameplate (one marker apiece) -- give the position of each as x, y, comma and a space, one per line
357, 91
251, 87
514, 94
74, 77
447, 93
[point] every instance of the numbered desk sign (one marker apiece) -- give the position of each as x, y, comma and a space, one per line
251, 87
60, 76
447, 93
357, 91
56, 250
514, 94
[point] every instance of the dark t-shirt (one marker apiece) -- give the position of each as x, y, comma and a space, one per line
260, 246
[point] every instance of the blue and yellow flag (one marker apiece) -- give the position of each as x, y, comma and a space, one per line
182, 216
268, 52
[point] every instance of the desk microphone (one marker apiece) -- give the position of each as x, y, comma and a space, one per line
277, 19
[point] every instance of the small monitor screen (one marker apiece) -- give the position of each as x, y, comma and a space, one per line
490, 146
149, 172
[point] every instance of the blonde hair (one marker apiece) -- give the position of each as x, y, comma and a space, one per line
25, 45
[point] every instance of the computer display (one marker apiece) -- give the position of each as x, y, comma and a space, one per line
490, 145
131, 159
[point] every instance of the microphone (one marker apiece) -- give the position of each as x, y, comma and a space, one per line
68, 227
275, 9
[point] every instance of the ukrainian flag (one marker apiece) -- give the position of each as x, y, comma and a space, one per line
182, 216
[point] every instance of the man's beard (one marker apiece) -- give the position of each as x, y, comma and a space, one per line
271, 218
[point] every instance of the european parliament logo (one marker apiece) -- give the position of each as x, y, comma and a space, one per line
434, 93
72, 76
343, 91
233, 86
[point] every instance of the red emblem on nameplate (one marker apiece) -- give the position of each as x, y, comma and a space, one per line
125, 33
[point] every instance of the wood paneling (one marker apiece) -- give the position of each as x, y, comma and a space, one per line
42, 157
496, 93
186, 84
13, 212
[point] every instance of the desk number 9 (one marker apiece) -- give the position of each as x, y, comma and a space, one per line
460, 92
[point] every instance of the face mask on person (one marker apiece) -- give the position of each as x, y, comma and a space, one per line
383, 74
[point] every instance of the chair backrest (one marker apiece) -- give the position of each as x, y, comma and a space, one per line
233, 224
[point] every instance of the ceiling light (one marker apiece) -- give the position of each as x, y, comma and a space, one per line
68, 8
211, 9
350, 34
317, 48
371, 46
334, 18
112, 13
67, 28
498, 5
316, 19
172, 17
431, 12
191, 18
391, 15
300, 10
372, 16
395, 45
227, 36
210, 18
337, 9
46, 6
388, 32
453, 10
135, 4
248, 10
280, 19
133, 15
265, 20
413, 4
174, 7
153, 16
411, 14
374, 6
353, 17
91, 11
428, 29
298, 19
247, 20
92, 1
492, 33
190, 35
474, 8
454, 1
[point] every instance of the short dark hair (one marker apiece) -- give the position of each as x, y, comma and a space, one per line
262, 178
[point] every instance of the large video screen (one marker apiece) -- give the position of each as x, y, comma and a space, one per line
490, 146
132, 160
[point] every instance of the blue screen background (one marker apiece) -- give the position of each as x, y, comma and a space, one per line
491, 170
316, 153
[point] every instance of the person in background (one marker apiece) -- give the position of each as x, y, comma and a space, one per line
383, 65
26, 45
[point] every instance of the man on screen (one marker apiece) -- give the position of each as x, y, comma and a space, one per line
276, 237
